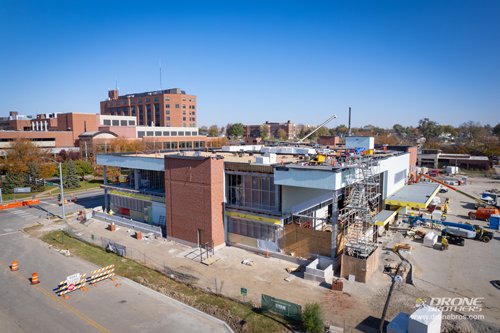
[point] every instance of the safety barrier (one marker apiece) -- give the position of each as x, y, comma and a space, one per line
19, 204
145, 228
65, 288
100, 274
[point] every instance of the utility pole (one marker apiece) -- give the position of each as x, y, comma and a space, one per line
62, 191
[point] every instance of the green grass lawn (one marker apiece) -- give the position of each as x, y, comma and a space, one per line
54, 190
233, 312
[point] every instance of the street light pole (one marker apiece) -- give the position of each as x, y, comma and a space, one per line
62, 190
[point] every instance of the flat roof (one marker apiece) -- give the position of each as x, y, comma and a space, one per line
383, 217
416, 195
228, 157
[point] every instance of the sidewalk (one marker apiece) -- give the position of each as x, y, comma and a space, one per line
228, 275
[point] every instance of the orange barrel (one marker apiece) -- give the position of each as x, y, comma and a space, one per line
34, 278
14, 266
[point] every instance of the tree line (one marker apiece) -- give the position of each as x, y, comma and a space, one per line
26, 165
470, 137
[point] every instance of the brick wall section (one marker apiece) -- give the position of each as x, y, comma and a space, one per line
413, 160
62, 139
194, 198
77, 123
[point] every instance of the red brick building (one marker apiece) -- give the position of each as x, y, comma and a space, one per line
170, 107
194, 188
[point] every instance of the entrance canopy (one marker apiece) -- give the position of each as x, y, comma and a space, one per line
417, 195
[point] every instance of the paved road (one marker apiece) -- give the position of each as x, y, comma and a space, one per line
105, 308
86, 199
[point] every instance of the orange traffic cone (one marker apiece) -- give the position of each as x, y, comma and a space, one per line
34, 278
14, 266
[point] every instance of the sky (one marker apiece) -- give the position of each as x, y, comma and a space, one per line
251, 61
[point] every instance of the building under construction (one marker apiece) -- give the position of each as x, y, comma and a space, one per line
290, 201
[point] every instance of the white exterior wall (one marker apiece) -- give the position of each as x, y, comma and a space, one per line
132, 162
157, 209
315, 178
109, 117
295, 199
366, 142
162, 129
394, 165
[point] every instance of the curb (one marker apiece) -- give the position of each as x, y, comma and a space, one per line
140, 286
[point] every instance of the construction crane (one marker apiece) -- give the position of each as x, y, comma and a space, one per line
476, 199
319, 126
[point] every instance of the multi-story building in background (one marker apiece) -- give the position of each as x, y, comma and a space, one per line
168, 108
163, 119
253, 133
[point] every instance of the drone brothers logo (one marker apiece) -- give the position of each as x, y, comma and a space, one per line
453, 304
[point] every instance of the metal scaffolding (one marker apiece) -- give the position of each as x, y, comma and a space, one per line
361, 204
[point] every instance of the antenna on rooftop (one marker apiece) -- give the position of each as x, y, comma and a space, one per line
160, 77
349, 129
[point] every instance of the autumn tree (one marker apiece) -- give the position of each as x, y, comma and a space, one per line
282, 134
429, 129
23, 153
236, 130
213, 131
83, 168
264, 131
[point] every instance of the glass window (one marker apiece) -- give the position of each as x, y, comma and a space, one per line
181, 133
167, 99
167, 112
167, 106
183, 106
133, 111
148, 100
193, 125
149, 133
252, 191
174, 133
131, 122
123, 123
168, 118
168, 125
106, 122
141, 115
183, 118
139, 100
165, 133
116, 122
157, 133
157, 114
156, 99
184, 112
184, 125
140, 134
149, 116
177, 106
